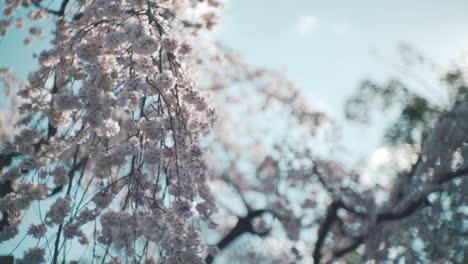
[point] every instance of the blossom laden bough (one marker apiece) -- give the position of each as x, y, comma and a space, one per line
116, 126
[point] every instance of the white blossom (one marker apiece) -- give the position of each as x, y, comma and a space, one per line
108, 128
59, 210
33, 256
165, 80
169, 44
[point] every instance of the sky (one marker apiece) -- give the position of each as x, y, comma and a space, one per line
328, 47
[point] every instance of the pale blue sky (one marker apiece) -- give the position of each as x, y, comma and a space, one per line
338, 50
345, 42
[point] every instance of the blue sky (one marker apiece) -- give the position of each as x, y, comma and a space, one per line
340, 46
329, 46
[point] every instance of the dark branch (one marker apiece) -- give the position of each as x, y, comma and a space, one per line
59, 13
244, 225
409, 209
445, 177
419, 200
324, 228
403, 210
357, 241
5, 186
342, 204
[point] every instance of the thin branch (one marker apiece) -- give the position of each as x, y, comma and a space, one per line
60, 227
59, 13
239, 192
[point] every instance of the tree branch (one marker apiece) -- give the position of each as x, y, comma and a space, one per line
405, 209
59, 13
324, 228
5, 186
244, 225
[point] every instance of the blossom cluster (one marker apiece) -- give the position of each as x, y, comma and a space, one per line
120, 119
178, 239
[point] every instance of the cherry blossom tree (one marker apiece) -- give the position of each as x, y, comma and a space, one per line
335, 216
110, 127
139, 139
423, 217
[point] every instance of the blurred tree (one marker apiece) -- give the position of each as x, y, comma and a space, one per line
435, 228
